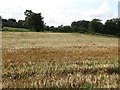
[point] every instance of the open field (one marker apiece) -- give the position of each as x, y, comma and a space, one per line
59, 60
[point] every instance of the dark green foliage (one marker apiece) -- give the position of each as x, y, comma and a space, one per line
21, 24
58, 29
80, 26
112, 27
34, 21
96, 26
13, 23
9, 23
113, 70
4, 22
64, 28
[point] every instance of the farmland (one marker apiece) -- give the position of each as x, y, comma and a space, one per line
59, 60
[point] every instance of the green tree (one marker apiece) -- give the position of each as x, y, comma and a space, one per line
96, 26
34, 21
80, 26
112, 26
20, 24
4, 23
11, 22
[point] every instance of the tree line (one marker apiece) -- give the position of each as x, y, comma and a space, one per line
35, 22
111, 27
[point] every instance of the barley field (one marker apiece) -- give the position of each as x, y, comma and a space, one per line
59, 60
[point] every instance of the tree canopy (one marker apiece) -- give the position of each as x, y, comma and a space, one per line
34, 21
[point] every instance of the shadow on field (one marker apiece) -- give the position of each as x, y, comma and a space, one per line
115, 70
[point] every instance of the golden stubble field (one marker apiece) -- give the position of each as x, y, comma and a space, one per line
59, 60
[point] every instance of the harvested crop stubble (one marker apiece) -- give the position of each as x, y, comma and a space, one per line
74, 64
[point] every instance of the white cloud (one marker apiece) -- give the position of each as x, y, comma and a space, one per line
57, 12
102, 12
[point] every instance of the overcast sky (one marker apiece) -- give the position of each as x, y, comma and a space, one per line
58, 12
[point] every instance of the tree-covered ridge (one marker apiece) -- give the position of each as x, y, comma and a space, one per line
34, 22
